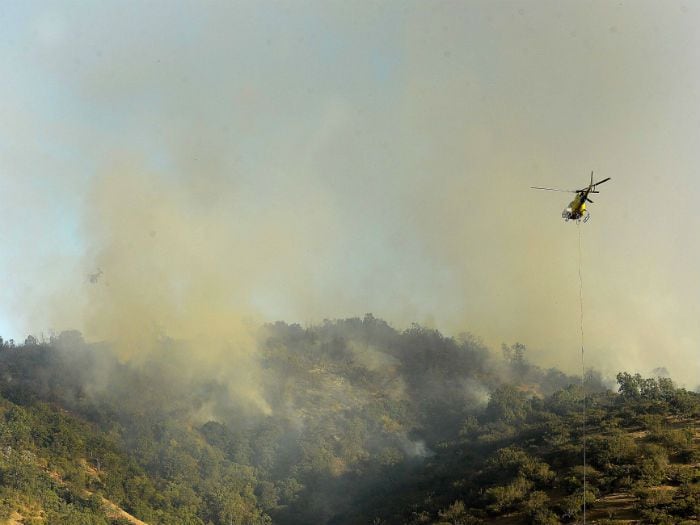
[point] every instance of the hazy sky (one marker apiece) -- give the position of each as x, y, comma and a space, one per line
227, 163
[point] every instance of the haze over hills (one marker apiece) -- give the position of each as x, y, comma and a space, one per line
233, 160
176, 175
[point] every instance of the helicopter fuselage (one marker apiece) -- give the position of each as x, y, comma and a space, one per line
576, 208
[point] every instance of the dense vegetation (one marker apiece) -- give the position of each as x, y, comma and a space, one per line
365, 424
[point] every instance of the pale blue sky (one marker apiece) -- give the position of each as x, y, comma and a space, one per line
328, 159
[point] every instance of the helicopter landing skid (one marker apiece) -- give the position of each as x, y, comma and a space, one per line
568, 218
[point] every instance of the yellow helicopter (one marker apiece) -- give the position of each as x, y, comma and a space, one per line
577, 207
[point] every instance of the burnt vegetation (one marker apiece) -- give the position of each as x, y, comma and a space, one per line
365, 424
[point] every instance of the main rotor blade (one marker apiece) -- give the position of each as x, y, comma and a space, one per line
589, 200
552, 189
602, 181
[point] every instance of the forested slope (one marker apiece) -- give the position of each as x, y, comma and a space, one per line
364, 424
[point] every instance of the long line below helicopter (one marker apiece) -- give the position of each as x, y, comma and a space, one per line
577, 207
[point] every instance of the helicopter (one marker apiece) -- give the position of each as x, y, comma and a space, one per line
577, 207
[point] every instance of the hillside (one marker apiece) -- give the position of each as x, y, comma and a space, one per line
524, 464
365, 424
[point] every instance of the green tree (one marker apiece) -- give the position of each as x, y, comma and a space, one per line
507, 404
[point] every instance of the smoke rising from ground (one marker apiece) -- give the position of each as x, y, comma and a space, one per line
231, 165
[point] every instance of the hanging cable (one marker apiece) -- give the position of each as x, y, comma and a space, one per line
583, 367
